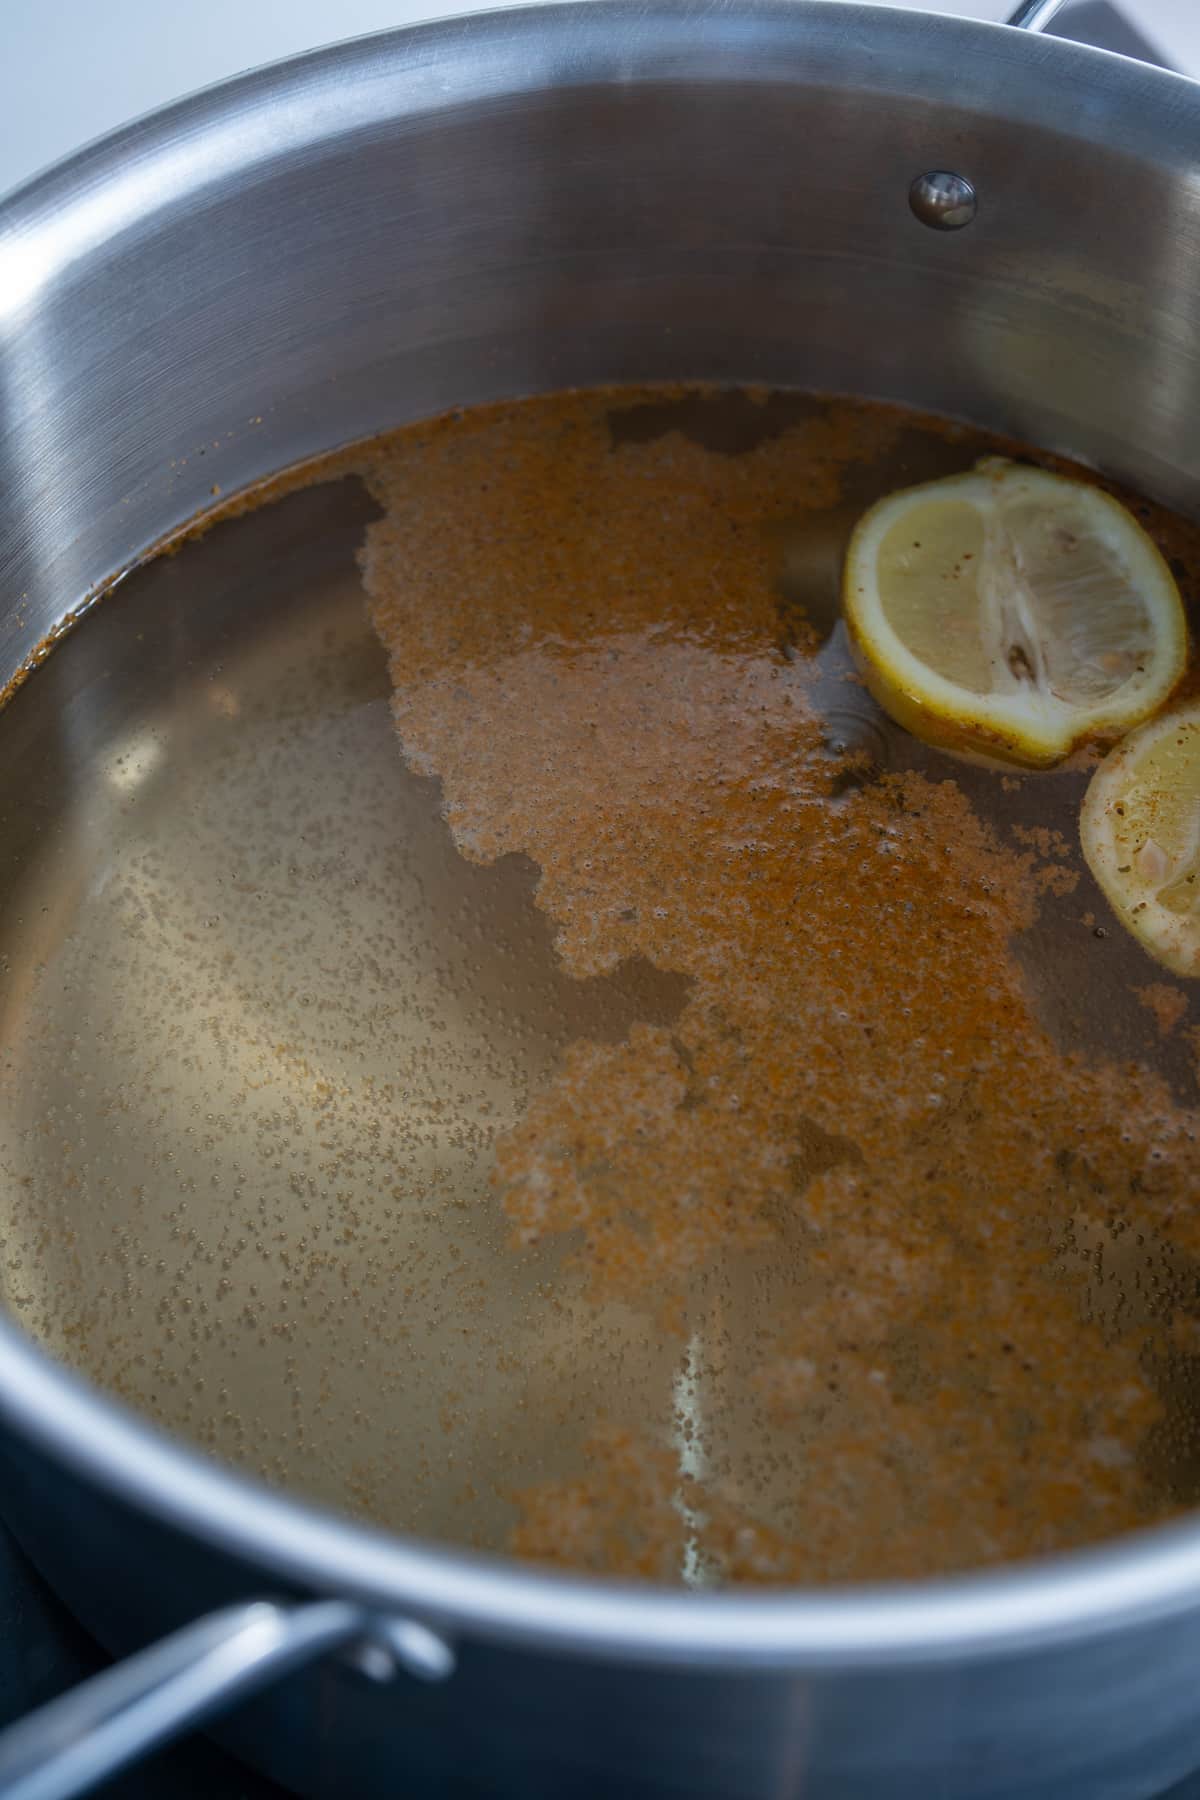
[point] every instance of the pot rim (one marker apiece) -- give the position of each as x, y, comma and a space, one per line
1141, 1577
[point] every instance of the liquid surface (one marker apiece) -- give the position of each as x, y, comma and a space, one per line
624, 1101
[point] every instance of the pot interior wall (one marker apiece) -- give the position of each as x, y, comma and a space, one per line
557, 198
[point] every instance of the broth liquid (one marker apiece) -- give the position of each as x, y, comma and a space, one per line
550, 1131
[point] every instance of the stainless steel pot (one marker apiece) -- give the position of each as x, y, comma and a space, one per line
960, 217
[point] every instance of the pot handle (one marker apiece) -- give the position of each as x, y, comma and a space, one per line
1034, 15
119, 1716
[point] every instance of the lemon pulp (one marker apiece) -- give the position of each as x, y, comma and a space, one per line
1140, 830
1013, 611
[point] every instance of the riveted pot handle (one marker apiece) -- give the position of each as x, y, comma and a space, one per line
117, 1717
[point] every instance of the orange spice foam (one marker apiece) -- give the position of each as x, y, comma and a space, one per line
585, 647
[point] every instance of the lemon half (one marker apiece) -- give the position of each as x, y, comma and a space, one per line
1013, 612
1140, 830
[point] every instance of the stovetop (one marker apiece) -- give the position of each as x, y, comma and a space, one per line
43, 1652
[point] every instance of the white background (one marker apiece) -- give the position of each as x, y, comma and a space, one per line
71, 69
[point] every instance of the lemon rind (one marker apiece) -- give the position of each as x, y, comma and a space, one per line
1172, 939
940, 711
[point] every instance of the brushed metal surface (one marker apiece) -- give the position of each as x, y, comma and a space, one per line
504, 204
501, 205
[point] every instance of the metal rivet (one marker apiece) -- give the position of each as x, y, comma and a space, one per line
375, 1661
942, 200
416, 1648
395, 1644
